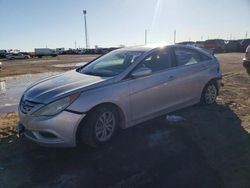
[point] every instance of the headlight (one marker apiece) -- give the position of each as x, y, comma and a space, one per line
56, 106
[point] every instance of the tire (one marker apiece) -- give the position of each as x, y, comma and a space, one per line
209, 94
94, 131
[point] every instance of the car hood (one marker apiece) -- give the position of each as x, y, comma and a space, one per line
55, 87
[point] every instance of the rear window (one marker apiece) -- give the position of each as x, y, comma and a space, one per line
185, 56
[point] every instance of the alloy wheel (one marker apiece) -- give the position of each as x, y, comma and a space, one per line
211, 94
105, 126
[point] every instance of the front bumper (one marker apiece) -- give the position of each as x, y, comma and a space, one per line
57, 131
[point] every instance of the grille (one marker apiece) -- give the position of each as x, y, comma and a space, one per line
27, 106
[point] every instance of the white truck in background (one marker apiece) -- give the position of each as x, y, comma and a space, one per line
40, 52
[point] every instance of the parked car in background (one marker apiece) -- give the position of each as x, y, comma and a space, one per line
244, 44
41, 52
117, 90
246, 59
191, 43
1, 66
70, 52
3, 53
232, 46
60, 50
12, 56
218, 45
199, 44
31, 54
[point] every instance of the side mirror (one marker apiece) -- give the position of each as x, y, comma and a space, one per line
141, 72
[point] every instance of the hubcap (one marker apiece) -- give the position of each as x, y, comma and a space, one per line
210, 95
105, 126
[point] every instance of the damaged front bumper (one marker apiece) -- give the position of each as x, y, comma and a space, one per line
58, 131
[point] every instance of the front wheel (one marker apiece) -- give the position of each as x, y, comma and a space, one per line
209, 94
100, 126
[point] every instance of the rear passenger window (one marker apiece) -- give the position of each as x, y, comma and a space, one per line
185, 56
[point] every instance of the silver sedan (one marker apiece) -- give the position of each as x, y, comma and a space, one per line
117, 90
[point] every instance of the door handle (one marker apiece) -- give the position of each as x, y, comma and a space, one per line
170, 78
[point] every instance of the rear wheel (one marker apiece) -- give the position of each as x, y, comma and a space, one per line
100, 126
209, 94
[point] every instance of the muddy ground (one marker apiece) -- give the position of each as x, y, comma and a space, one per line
210, 148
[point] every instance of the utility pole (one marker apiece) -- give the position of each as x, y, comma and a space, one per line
85, 25
246, 35
146, 36
75, 44
174, 36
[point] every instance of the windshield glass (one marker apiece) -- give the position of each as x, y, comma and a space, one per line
111, 64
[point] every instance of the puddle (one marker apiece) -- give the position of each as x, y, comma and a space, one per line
40, 60
12, 88
2, 86
70, 65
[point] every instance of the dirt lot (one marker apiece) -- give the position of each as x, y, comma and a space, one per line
41, 65
210, 149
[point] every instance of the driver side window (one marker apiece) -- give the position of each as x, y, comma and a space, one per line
157, 61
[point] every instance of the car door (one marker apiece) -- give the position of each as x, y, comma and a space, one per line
193, 67
152, 94
20, 56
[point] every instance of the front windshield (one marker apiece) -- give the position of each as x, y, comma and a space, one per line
111, 64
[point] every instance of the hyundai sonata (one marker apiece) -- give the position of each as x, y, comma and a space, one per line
118, 90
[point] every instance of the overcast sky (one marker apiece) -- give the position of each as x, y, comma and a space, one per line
29, 24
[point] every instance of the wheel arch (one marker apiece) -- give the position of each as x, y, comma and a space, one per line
121, 116
211, 81
214, 81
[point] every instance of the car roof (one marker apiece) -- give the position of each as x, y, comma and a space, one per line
146, 48
136, 48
